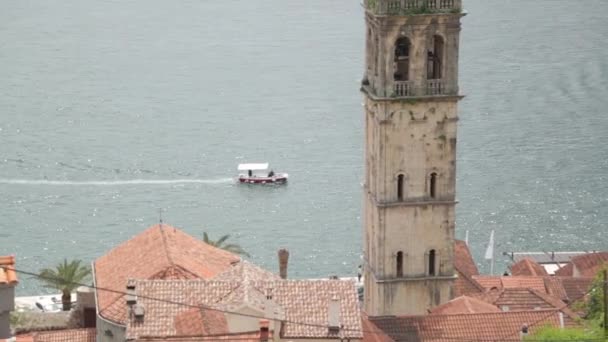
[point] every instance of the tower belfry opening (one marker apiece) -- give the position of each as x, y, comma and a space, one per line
411, 99
402, 59
434, 59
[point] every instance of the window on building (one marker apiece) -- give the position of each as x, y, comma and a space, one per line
402, 59
399, 264
375, 54
369, 51
400, 185
434, 59
432, 262
433, 185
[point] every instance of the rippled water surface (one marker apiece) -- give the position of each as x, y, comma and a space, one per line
110, 110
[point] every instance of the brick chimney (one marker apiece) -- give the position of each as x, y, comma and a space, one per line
283, 259
264, 330
333, 314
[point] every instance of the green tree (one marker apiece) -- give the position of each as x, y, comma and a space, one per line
548, 334
65, 277
595, 303
220, 243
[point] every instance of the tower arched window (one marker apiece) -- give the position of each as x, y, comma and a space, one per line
432, 256
376, 55
400, 186
434, 62
433, 185
399, 264
402, 59
369, 52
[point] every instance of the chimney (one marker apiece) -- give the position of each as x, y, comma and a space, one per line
138, 312
264, 332
524, 332
131, 297
283, 259
334, 315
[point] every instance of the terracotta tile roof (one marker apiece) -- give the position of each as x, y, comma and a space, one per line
525, 300
499, 282
496, 326
164, 317
7, 270
159, 252
308, 300
588, 265
571, 318
463, 261
488, 282
537, 283
371, 333
565, 271
253, 336
246, 271
555, 288
304, 301
527, 267
69, 335
465, 285
22, 338
576, 288
462, 305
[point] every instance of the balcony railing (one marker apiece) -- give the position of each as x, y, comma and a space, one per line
435, 87
428, 88
411, 7
404, 88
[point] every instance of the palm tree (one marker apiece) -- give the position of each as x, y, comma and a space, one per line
230, 247
65, 277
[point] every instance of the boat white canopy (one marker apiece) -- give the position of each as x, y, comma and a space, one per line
253, 167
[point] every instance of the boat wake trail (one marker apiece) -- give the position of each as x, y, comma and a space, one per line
117, 182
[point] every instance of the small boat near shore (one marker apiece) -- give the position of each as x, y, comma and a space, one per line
260, 173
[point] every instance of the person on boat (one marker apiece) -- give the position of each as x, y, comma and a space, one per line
271, 173
250, 173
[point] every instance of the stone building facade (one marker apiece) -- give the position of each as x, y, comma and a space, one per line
411, 98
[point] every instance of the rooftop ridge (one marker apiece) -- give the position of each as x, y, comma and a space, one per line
473, 314
164, 238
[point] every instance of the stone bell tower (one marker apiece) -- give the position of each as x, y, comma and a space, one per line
411, 100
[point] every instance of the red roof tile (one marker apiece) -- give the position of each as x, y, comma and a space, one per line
465, 285
565, 271
463, 261
499, 282
554, 287
588, 265
371, 333
159, 252
308, 301
462, 305
488, 282
514, 299
517, 300
8, 275
23, 338
527, 267
576, 288
305, 301
253, 336
529, 282
497, 326
69, 335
